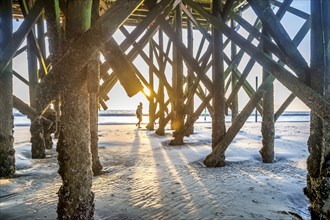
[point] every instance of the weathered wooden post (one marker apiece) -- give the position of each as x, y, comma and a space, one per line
76, 200
318, 160
50, 113
234, 103
55, 40
218, 120
161, 124
152, 104
36, 129
190, 36
267, 126
177, 77
7, 151
93, 79
32, 64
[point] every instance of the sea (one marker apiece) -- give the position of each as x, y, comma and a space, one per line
109, 117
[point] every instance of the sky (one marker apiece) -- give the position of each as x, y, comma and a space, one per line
120, 101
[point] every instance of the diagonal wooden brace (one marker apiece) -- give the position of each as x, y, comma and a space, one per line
122, 67
9, 52
81, 52
310, 97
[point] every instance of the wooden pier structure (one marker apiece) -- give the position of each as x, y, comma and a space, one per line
69, 73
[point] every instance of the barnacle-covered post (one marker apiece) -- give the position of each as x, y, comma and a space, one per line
7, 152
318, 162
218, 101
76, 200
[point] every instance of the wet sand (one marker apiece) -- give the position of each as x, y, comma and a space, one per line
144, 178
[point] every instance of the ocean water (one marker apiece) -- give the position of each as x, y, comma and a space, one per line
128, 117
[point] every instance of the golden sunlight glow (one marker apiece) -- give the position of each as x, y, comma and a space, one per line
146, 91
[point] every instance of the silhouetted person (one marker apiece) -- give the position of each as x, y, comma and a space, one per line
139, 114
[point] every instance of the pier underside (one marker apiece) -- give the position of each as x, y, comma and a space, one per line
64, 41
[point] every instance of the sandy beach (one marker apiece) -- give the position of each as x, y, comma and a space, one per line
144, 178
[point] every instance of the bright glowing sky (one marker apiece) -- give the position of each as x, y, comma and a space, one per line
120, 101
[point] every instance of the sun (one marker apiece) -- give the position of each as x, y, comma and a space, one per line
146, 91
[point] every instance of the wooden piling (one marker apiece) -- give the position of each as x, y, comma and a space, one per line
234, 102
218, 101
32, 64
37, 133
267, 126
76, 200
152, 104
55, 41
190, 80
93, 82
161, 123
177, 74
317, 188
7, 151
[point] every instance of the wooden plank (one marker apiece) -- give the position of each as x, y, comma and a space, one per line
9, 51
86, 45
